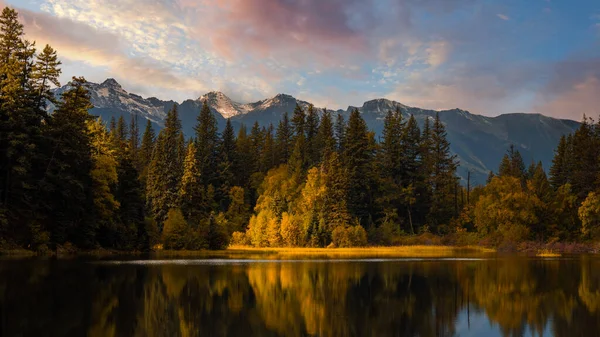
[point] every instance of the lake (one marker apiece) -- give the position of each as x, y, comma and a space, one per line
489, 296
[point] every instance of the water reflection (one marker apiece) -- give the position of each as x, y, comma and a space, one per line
501, 297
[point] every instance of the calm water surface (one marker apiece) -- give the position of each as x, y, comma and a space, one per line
498, 296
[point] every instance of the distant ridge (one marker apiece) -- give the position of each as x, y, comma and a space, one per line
478, 141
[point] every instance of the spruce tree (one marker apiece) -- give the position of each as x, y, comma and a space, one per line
207, 144
443, 179
268, 153
558, 170
46, 73
257, 139
357, 158
312, 127
192, 195
326, 143
66, 183
284, 140
299, 121
134, 137
245, 166
227, 158
20, 122
145, 152
340, 132
165, 169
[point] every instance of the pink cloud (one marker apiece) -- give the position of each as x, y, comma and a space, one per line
277, 28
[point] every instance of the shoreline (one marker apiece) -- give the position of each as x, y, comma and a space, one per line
402, 251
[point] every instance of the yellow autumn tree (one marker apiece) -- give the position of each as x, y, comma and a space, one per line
506, 211
104, 170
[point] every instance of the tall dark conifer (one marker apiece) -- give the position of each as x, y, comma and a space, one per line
284, 144
207, 145
357, 159
165, 169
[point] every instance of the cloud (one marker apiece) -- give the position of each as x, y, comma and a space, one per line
572, 90
503, 17
79, 42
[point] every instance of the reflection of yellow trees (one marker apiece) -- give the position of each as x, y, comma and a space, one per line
589, 294
513, 294
330, 299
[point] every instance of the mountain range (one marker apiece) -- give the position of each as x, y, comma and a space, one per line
478, 141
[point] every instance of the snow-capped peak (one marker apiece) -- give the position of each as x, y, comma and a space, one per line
222, 104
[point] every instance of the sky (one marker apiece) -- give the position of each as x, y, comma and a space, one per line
488, 57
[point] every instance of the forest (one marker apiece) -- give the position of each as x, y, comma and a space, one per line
70, 179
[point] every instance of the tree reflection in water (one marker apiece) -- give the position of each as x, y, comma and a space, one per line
514, 297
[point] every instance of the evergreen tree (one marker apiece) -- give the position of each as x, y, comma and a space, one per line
165, 169
512, 165
46, 73
284, 140
131, 198
104, 179
245, 165
257, 139
326, 143
192, 195
443, 179
312, 128
20, 122
134, 138
340, 132
411, 138
268, 153
66, 184
357, 158
584, 155
227, 162
145, 152
207, 145
558, 170
299, 121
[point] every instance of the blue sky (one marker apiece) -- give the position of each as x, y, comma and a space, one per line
488, 57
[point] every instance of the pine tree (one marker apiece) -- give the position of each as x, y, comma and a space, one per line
340, 132
558, 170
512, 165
207, 145
284, 140
120, 135
312, 128
257, 139
245, 166
20, 122
391, 148
227, 158
165, 169
131, 198
192, 195
66, 184
584, 157
411, 138
145, 152
46, 72
104, 179
443, 179
326, 143
299, 121
357, 158
134, 138
268, 153
337, 185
